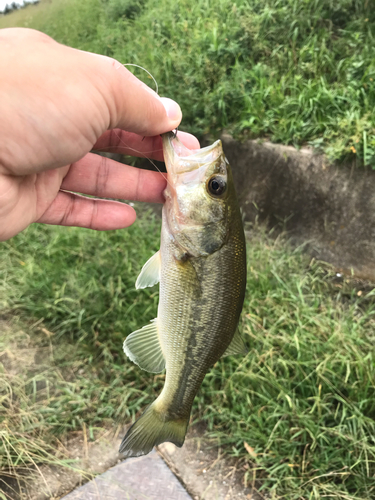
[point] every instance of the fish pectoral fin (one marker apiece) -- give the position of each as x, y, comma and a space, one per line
237, 346
144, 349
150, 274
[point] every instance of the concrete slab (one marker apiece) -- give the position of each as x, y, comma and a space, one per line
143, 478
329, 208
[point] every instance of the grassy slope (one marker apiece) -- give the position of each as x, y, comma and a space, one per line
303, 397
294, 71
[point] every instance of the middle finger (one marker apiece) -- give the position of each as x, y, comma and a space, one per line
99, 176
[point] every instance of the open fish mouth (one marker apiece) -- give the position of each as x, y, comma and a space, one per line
179, 159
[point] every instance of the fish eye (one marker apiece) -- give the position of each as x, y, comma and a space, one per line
216, 185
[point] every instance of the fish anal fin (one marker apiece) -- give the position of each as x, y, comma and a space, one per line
144, 349
150, 273
237, 346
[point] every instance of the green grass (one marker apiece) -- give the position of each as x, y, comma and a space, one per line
303, 398
32, 389
297, 72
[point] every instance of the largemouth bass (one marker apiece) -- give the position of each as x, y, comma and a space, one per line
201, 266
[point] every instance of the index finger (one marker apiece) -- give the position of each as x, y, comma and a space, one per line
128, 143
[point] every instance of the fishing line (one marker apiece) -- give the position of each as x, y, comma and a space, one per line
129, 148
149, 74
157, 91
143, 155
133, 149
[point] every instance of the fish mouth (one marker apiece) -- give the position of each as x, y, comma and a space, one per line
179, 159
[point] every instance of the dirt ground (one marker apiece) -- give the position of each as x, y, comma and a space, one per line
20, 357
51, 482
199, 466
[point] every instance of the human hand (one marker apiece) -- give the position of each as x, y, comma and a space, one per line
58, 103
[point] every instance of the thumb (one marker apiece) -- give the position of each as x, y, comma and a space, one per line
137, 108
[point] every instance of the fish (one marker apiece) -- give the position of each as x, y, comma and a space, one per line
201, 268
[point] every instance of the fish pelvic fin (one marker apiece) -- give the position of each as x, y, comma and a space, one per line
151, 429
150, 274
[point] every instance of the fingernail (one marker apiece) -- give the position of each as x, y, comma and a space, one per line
172, 109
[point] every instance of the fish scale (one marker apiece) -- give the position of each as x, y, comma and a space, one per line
201, 267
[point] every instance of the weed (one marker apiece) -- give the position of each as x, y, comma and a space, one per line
295, 72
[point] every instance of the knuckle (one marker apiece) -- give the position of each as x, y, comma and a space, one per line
67, 218
94, 215
102, 177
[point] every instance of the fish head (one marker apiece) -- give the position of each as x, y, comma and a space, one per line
197, 196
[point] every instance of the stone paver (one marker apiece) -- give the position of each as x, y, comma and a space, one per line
143, 478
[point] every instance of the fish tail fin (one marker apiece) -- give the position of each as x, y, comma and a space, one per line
152, 428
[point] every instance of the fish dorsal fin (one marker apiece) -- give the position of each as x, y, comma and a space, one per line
150, 274
237, 346
144, 349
